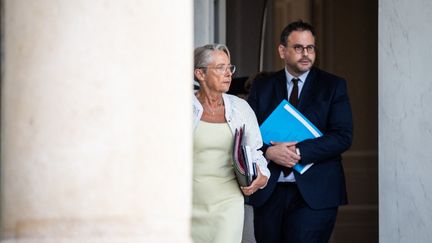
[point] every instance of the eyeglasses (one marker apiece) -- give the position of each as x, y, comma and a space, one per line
299, 49
223, 69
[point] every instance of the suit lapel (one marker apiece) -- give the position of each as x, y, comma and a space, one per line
307, 90
281, 91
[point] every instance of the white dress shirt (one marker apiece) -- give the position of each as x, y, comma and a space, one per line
302, 79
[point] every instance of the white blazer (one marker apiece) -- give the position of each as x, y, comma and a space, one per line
237, 113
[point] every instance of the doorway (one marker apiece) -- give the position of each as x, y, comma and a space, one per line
347, 32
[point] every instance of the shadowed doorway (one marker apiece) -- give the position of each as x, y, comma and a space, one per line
347, 32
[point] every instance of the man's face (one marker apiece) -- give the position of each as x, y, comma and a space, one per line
300, 60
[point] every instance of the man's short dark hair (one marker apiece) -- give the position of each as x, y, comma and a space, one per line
298, 25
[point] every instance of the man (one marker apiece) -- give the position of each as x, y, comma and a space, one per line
297, 207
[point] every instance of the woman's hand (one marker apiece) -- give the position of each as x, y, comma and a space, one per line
259, 182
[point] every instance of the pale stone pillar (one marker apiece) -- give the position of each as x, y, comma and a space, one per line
203, 22
405, 121
96, 121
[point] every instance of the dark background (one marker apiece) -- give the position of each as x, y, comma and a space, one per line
347, 41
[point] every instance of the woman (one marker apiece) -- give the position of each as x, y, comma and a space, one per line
218, 203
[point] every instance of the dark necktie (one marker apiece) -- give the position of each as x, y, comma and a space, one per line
293, 99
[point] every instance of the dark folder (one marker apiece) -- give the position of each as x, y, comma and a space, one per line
244, 167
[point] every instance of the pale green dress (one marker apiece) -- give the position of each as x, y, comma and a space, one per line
218, 204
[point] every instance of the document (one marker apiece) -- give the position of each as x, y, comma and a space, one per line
244, 167
286, 124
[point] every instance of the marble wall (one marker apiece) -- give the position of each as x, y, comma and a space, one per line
405, 121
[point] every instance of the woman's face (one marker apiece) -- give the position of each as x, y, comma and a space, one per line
217, 75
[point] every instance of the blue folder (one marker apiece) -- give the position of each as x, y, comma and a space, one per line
287, 124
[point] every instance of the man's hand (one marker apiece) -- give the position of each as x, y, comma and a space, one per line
283, 153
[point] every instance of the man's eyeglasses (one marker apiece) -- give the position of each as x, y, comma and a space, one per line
299, 49
223, 69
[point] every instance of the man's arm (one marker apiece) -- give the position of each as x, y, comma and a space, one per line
337, 136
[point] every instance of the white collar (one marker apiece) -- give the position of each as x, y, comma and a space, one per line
302, 78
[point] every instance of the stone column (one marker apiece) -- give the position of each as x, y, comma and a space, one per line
405, 121
96, 121
204, 24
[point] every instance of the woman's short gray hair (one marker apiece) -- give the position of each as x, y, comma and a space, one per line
203, 55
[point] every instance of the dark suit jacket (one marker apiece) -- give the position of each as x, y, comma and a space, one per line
324, 101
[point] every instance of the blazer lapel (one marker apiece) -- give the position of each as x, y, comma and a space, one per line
281, 91
307, 90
